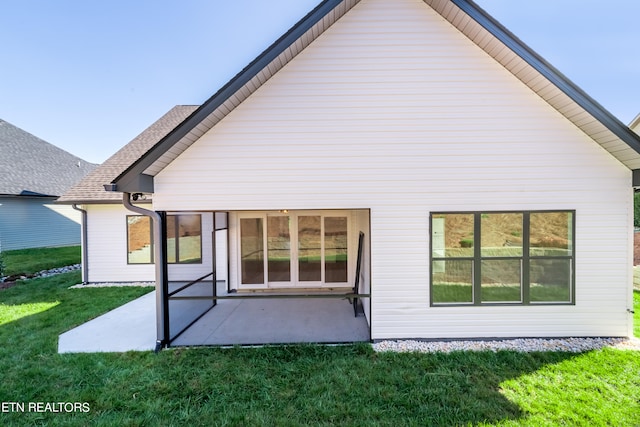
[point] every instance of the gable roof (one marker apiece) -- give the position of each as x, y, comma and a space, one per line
30, 166
465, 15
91, 188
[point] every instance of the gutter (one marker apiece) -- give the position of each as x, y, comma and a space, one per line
84, 247
162, 309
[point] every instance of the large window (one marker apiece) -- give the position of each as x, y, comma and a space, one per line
485, 258
184, 239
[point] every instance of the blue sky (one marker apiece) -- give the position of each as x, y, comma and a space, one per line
88, 76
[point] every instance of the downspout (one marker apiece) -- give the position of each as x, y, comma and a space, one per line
160, 265
84, 247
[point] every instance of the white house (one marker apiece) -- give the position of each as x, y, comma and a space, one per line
494, 196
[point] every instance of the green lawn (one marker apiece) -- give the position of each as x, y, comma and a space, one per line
291, 385
636, 316
29, 261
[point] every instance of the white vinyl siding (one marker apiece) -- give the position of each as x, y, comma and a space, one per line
107, 240
393, 110
107, 236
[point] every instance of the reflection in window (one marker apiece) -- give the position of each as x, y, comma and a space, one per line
278, 249
453, 281
551, 266
309, 249
495, 257
335, 249
452, 242
550, 280
501, 234
184, 239
139, 240
252, 250
552, 234
501, 280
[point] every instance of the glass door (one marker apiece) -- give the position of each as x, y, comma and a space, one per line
251, 251
310, 248
335, 249
300, 249
278, 249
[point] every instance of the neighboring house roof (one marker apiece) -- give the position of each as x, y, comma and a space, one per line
465, 15
30, 166
91, 188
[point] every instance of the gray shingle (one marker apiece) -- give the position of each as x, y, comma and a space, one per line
91, 188
31, 166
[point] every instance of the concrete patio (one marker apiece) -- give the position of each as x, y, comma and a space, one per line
233, 321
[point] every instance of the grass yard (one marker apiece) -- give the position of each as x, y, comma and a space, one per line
636, 315
290, 385
30, 261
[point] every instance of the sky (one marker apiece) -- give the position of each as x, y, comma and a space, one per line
89, 76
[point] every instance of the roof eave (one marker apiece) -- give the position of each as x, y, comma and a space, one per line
550, 72
88, 202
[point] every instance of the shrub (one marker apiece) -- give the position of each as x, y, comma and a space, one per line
466, 243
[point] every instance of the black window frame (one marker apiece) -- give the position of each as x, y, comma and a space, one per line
526, 257
151, 240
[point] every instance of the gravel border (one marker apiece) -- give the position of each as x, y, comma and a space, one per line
573, 345
112, 284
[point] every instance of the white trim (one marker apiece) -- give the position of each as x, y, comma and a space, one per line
295, 283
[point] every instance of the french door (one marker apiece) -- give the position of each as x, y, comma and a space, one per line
294, 249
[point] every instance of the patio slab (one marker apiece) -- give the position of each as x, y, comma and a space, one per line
237, 321
129, 327
277, 321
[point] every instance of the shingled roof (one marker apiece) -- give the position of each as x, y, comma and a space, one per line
91, 188
30, 166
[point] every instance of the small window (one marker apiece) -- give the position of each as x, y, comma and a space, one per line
502, 258
184, 239
551, 256
452, 243
139, 240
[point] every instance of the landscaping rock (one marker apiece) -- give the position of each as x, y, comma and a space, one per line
8, 281
573, 345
